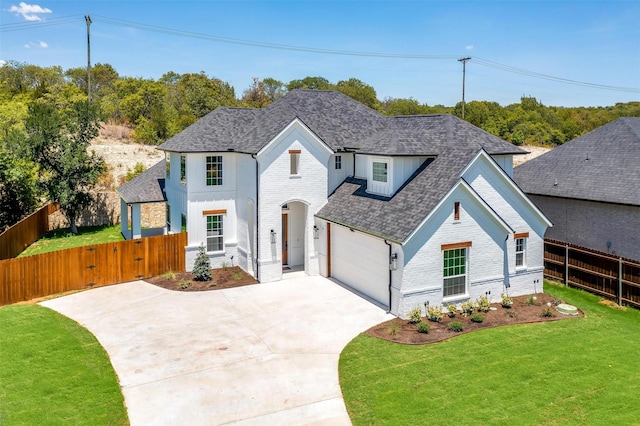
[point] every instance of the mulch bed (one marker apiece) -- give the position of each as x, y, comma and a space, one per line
221, 278
520, 312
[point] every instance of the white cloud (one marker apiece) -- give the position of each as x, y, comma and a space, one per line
43, 44
27, 46
29, 12
3, 62
469, 47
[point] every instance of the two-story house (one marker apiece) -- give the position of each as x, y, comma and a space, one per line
404, 210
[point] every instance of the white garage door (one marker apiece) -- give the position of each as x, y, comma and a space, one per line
361, 262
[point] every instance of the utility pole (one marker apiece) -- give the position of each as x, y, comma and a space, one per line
87, 18
464, 70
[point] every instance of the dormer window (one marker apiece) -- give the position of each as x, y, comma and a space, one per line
338, 162
380, 171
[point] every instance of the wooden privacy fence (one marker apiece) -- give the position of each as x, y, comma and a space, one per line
98, 265
601, 273
14, 240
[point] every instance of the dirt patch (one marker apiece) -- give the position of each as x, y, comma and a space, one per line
522, 311
220, 278
534, 151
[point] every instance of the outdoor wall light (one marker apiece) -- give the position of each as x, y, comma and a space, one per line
316, 232
273, 236
393, 262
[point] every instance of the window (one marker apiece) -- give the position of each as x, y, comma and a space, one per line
521, 247
456, 210
455, 272
215, 240
167, 157
214, 170
379, 172
338, 162
168, 218
294, 158
183, 170
183, 223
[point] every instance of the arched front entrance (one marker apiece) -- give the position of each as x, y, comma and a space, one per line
294, 235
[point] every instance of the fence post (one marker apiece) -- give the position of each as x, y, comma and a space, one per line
566, 264
620, 281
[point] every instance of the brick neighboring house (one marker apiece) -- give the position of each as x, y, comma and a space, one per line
404, 210
590, 188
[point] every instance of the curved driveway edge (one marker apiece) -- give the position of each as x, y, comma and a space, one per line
259, 354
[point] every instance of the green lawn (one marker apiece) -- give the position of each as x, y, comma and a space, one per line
53, 371
61, 239
582, 371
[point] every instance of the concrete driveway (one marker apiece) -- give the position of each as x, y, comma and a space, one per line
260, 354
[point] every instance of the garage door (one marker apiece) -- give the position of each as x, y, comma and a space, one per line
361, 262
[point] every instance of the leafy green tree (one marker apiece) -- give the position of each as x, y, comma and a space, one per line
256, 96
400, 106
58, 142
359, 91
316, 83
274, 89
18, 192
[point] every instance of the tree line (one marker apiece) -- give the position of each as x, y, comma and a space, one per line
44, 105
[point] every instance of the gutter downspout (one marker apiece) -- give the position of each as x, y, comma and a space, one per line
390, 275
257, 220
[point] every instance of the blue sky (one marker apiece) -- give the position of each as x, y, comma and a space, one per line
594, 42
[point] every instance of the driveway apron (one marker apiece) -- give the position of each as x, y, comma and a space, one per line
259, 354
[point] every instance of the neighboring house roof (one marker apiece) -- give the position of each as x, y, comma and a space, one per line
147, 187
599, 166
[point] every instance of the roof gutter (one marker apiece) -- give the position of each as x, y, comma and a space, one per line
390, 275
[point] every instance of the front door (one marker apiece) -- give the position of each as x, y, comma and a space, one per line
285, 239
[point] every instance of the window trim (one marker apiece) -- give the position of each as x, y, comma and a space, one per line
460, 250
294, 162
183, 169
522, 252
386, 171
213, 163
338, 162
456, 210
220, 230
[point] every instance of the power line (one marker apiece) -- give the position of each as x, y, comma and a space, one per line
229, 40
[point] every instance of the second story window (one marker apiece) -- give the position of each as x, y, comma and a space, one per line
338, 162
456, 210
214, 170
183, 170
294, 159
167, 157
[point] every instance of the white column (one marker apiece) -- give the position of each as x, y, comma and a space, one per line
136, 228
124, 220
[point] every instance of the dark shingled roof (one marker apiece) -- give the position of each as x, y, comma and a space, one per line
147, 187
341, 123
599, 166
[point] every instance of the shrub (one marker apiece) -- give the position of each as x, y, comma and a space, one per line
451, 308
456, 326
237, 275
434, 313
170, 275
557, 301
393, 328
467, 308
506, 301
512, 314
423, 327
184, 284
531, 300
547, 313
415, 315
477, 318
483, 304
202, 266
